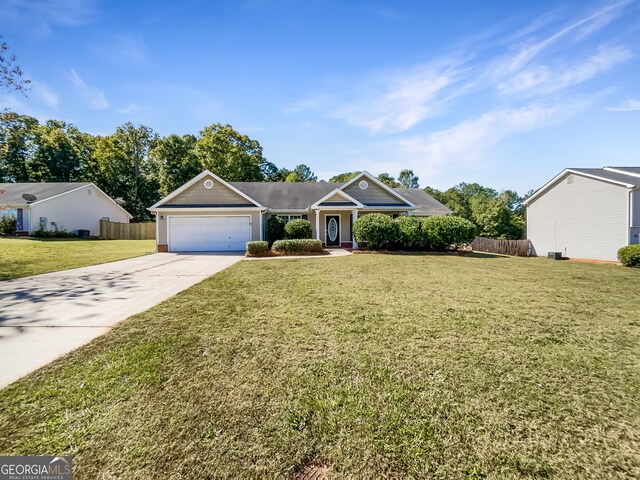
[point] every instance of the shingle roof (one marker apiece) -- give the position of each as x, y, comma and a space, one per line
612, 176
11, 193
631, 170
301, 195
427, 205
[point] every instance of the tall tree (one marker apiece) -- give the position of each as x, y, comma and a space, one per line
11, 75
229, 154
408, 179
301, 173
272, 173
388, 180
17, 146
177, 160
343, 177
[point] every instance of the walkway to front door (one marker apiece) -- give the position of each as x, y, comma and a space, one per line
332, 230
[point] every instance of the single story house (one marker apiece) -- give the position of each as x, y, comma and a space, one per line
69, 206
586, 213
209, 214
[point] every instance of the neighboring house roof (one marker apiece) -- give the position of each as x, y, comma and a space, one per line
11, 193
427, 205
626, 177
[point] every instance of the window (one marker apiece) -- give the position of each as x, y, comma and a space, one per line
288, 218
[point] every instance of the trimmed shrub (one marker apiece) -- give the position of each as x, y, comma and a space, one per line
297, 228
378, 230
442, 232
7, 226
297, 245
257, 248
629, 256
275, 229
411, 233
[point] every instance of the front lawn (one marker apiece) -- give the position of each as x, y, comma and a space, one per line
368, 366
22, 257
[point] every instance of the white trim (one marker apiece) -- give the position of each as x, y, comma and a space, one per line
339, 229
195, 180
317, 212
380, 184
337, 191
88, 185
552, 182
166, 210
158, 230
169, 217
288, 211
615, 170
354, 217
261, 232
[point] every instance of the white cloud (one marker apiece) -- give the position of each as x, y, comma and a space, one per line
45, 94
42, 15
542, 79
458, 147
631, 105
94, 97
122, 49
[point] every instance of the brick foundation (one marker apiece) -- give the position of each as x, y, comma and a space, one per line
162, 248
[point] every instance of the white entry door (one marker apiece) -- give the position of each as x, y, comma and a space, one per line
209, 234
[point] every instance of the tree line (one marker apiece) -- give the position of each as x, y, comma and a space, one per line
137, 167
134, 165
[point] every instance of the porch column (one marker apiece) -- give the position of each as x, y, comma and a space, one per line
354, 245
318, 224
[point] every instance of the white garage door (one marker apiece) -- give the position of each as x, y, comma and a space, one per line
208, 234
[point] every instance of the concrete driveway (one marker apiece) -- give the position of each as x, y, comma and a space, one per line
45, 316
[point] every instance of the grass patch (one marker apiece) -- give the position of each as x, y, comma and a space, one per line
23, 257
367, 366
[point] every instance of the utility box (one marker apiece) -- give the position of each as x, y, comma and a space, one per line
554, 255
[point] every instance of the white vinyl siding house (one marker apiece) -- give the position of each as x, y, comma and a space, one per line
584, 214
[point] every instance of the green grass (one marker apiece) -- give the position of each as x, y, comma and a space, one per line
374, 365
23, 257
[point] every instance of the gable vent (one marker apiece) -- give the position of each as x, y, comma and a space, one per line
570, 179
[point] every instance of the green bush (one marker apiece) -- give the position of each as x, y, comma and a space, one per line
53, 234
442, 232
630, 256
297, 228
411, 233
7, 226
257, 248
379, 231
275, 229
297, 245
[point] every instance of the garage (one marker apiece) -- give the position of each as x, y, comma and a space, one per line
208, 233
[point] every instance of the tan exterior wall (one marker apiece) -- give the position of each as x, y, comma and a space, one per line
198, 195
336, 198
161, 220
373, 194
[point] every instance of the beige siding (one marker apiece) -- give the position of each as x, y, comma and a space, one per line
162, 222
336, 198
635, 208
584, 219
373, 194
198, 195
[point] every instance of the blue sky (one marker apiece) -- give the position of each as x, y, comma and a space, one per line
503, 93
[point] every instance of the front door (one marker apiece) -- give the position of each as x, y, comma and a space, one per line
332, 231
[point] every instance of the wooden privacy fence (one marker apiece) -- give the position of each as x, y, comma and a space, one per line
127, 231
520, 248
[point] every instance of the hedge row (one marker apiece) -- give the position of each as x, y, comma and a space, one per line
629, 256
304, 245
438, 233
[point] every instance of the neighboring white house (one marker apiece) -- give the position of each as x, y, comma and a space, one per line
66, 206
586, 213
